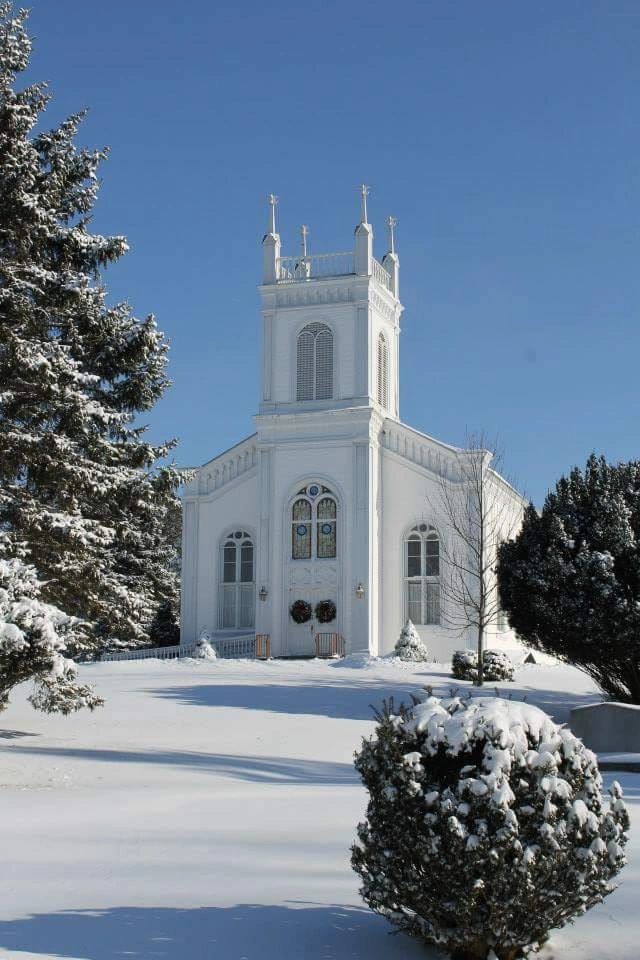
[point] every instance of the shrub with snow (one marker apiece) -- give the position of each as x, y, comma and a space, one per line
32, 642
464, 665
409, 645
486, 825
204, 649
497, 665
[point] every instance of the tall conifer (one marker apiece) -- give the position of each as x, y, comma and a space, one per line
81, 488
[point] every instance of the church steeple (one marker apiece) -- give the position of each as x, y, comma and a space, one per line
330, 325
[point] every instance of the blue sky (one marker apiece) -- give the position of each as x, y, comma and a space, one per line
504, 136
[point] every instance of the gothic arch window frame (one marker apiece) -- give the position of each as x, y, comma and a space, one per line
236, 591
422, 574
312, 376
382, 371
313, 515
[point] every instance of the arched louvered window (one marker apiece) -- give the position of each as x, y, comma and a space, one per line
383, 372
315, 363
422, 575
236, 605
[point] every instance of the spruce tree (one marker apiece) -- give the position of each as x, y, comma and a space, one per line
570, 581
409, 645
80, 486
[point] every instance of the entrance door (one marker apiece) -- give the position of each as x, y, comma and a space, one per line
312, 564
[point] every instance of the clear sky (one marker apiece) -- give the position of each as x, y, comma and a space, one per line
504, 136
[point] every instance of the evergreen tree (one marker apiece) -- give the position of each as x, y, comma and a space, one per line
409, 645
165, 629
570, 581
32, 642
80, 486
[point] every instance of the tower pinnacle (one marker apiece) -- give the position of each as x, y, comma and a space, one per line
364, 193
391, 223
273, 200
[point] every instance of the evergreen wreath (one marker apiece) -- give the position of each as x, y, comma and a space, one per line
325, 611
300, 611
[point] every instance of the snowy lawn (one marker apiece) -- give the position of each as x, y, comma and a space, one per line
207, 811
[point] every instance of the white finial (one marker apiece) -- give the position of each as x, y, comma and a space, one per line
391, 223
272, 212
364, 193
304, 233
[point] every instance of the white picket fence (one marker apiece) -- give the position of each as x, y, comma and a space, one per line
229, 648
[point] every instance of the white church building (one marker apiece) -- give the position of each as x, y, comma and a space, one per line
320, 520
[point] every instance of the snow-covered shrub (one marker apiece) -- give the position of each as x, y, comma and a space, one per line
32, 642
497, 665
486, 825
464, 665
204, 649
409, 645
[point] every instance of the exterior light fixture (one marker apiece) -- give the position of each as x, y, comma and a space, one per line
360, 591
263, 594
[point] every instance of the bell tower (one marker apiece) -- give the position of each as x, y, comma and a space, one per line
331, 324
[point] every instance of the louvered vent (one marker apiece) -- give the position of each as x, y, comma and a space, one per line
315, 363
383, 372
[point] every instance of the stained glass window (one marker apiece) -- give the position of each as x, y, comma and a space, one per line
301, 530
313, 525
326, 528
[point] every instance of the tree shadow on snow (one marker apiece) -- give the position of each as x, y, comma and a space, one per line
274, 770
243, 932
353, 699
16, 734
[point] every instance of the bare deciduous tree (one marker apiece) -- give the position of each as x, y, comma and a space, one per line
479, 510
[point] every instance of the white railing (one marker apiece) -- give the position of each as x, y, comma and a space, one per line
380, 273
227, 648
149, 653
318, 265
235, 648
226, 467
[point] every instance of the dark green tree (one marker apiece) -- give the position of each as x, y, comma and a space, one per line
570, 580
82, 490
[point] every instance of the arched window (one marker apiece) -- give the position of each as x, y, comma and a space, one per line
383, 372
236, 606
422, 575
315, 363
314, 516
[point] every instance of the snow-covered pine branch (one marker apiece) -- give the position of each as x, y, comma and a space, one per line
32, 642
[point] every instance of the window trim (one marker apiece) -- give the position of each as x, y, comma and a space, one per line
429, 535
237, 586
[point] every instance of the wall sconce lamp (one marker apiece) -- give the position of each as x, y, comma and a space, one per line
263, 594
360, 591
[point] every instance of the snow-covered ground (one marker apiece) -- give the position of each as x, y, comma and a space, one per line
207, 811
